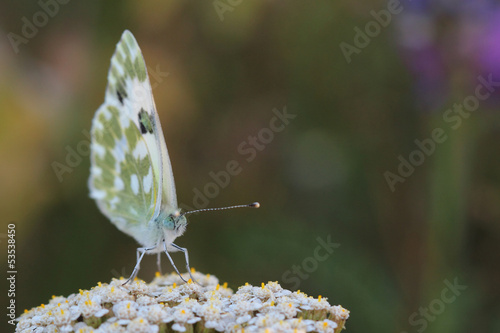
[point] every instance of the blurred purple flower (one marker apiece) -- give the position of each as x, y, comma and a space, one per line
440, 39
416, 37
487, 49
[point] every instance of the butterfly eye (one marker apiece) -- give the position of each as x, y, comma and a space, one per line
169, 223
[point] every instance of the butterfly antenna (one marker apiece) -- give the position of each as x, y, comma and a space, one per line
252, 205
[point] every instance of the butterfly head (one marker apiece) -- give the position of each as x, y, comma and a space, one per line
173, 222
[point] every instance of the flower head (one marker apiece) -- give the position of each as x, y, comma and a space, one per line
169, 305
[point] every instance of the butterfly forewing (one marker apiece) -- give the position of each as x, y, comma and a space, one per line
131, 176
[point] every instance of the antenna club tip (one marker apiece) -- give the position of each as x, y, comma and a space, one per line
255, 205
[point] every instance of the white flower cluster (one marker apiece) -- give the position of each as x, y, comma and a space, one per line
169, 305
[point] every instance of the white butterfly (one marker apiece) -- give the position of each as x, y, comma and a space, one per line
131, 176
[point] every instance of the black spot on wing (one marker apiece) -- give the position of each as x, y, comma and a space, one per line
121, 92
120, 97
143, 129
145, 122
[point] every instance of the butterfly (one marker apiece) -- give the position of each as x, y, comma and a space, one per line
131, 175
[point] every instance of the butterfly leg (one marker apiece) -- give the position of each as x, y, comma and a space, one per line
158, 262
172, 262
142, 251
183, 249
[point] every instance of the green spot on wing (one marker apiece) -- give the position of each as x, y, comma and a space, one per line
140, 68
118, 56
131, 135
113, 125
129, 68
106, 164
101, 137
125, 49
114, 72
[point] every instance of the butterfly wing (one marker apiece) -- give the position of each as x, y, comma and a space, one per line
130, 170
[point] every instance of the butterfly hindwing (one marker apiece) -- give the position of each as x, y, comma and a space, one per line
122, 179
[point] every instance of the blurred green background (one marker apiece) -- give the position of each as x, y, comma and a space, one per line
364, 79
